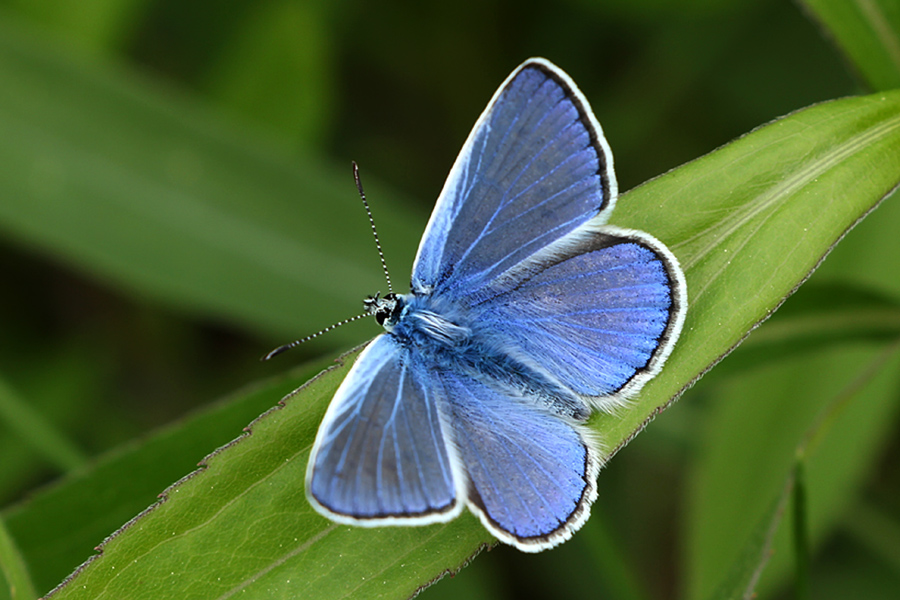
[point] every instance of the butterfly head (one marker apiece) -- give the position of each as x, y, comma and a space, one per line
386, 310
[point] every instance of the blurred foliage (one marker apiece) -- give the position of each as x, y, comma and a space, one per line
239, 119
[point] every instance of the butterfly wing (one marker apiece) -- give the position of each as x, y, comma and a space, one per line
534, 168
532, 475
380, 456
518, 245
601, 309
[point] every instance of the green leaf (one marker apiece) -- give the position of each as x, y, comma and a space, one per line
34, 430
833, 407
832, 421
149, 192
800, 538
94, 25
819, 315
741, 579
608, 558
278, 70
868, 31
870, 258
14, 580
60, 527
749, 223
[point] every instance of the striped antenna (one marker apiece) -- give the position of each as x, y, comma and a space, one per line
296, 343
368, 312
362, 195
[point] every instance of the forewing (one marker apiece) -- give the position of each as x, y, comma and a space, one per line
532, 475
599, 311
535, 167
380, 455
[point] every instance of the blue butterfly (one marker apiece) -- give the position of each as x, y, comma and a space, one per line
526, 312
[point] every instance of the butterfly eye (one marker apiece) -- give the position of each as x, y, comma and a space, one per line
381, 314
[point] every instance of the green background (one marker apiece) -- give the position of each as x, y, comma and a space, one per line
176, 199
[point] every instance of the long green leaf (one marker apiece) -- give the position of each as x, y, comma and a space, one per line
13, 570
740, 581
868, 31
279, 69
749, 223
33, 429
62, 525
819, 315
753, 436
863, 393
800, 538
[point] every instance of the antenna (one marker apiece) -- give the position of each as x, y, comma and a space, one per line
296, 343
362, 195
368, 312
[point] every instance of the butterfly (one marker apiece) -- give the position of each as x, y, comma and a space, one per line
526, 312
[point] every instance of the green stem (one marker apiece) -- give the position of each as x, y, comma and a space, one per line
801, 532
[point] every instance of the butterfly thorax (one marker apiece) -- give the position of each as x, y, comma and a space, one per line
410, 319
446, 337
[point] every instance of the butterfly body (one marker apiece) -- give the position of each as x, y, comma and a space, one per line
527, 311
451, 340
